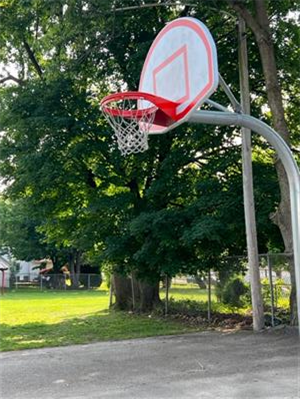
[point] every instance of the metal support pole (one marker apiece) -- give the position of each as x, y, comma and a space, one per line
249, 204
288, 161
234, 102
89, 281
271, 290
217, 105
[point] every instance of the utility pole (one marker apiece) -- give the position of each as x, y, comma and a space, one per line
249, 207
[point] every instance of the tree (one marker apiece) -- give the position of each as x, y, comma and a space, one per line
259, 24
42, 155
176, 207
19, 236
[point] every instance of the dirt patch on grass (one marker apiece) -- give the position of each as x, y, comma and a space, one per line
217, 321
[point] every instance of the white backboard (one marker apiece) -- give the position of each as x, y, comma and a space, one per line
181, 66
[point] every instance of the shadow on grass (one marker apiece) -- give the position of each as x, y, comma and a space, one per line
101, 326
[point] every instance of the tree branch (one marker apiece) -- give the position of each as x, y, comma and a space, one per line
295, 150
261, 14
134, 188
10, 77
33, 59
245, 14
150, 5
175, 204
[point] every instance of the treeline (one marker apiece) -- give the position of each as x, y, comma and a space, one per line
71, 197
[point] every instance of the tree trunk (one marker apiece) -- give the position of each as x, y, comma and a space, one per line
77, 267
146, 295
293, 294
200, 280
261, 30
149, 295
56, 263
73, 259
121, 286
135, 291
282, 216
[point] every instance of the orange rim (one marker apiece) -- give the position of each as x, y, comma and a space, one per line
166, 106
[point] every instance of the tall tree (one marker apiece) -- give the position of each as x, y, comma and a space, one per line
176, 207
258, 21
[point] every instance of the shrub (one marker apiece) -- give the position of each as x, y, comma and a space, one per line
187, 307
281, 292
233, 292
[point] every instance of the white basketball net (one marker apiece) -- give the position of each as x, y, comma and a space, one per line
131, 131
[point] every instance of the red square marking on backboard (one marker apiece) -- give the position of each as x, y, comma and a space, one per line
181, 52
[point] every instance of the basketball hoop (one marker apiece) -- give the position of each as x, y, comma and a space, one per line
132, 115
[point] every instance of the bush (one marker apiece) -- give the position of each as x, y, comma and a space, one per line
90, 280
233, 293
186, 307
281, 292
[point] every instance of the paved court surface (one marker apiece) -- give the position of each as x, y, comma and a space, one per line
206, 365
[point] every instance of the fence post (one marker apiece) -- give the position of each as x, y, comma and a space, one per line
89, 281
132, 292
271, 289
209, 297
111, 292
167, 296
3, 282
276, 295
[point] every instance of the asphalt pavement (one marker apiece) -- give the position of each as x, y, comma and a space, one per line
207, 365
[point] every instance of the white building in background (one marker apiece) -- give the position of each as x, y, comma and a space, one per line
27, 271
4, 263
23, 271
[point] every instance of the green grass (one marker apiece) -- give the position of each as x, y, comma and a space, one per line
45, 319
192, 292
189, 291
34, 319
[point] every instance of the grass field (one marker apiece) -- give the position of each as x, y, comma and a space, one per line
35, 319
188, 291
50, 318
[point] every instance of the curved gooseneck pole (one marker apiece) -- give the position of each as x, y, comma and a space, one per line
287, 159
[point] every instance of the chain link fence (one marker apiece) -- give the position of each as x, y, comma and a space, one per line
276, 283
230, 288
53, 281
233, 288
